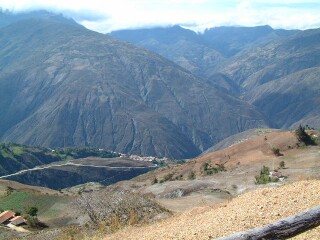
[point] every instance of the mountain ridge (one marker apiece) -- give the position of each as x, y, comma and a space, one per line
87, 89
248, 60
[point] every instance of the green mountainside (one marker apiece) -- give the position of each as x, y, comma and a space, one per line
15, 157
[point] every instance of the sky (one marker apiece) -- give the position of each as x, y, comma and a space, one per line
108, 15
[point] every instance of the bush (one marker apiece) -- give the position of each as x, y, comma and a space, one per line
179, 177
282, 164
264, 177
276, 152
303, 136
209, 170
34, 222
9, 190
32, 211
192, 175
205, 166
154, 181
168, 177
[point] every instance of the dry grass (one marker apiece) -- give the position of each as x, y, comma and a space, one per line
252, 209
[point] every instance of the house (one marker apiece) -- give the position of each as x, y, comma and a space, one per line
17, 220
5, 216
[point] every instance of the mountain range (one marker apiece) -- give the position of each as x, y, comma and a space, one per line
64, 85
275, 70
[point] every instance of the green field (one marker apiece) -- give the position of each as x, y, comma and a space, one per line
20, 201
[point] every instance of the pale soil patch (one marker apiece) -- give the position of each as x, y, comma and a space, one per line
17, 228
250, 210
192, 201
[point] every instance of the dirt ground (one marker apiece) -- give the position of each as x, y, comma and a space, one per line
243, 162
252, 209
301, 164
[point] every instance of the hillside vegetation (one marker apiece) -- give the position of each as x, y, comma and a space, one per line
221, 175
15, 157
55, 208
227, 205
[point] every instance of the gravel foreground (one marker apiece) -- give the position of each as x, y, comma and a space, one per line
249, 210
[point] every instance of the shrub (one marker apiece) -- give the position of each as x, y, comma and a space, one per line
192, 175
205, 166
9, 190
168, 177
154, 181
179, 177
34, 222
276, 152
264, 177
303, 136
208, 170
282, 164
32, 211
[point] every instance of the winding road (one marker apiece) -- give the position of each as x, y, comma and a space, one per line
70, 164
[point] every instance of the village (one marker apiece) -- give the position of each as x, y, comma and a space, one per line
145, 159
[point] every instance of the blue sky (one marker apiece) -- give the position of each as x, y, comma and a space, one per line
105, 16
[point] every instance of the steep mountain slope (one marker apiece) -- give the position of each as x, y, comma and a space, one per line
7, 17
201, 53
63, 85
277, 59
290, 100
248, 57
282, 79
232, 40
15, 157
237, 138
106, 171
183, 46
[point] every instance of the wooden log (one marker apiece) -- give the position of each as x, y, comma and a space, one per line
282, 229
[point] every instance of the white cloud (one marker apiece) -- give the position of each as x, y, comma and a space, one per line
120, 14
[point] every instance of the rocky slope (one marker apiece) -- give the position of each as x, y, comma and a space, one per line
281, 79
250, 210
251, 63
63, 85
276, 59
183, 46
290, 100
200, 53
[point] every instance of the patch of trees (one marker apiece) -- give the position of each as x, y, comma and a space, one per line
303, 136
14, 157
207, 169
84, 152
264, 176
276, 152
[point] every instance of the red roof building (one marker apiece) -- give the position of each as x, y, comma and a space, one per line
17, 220
5, 216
